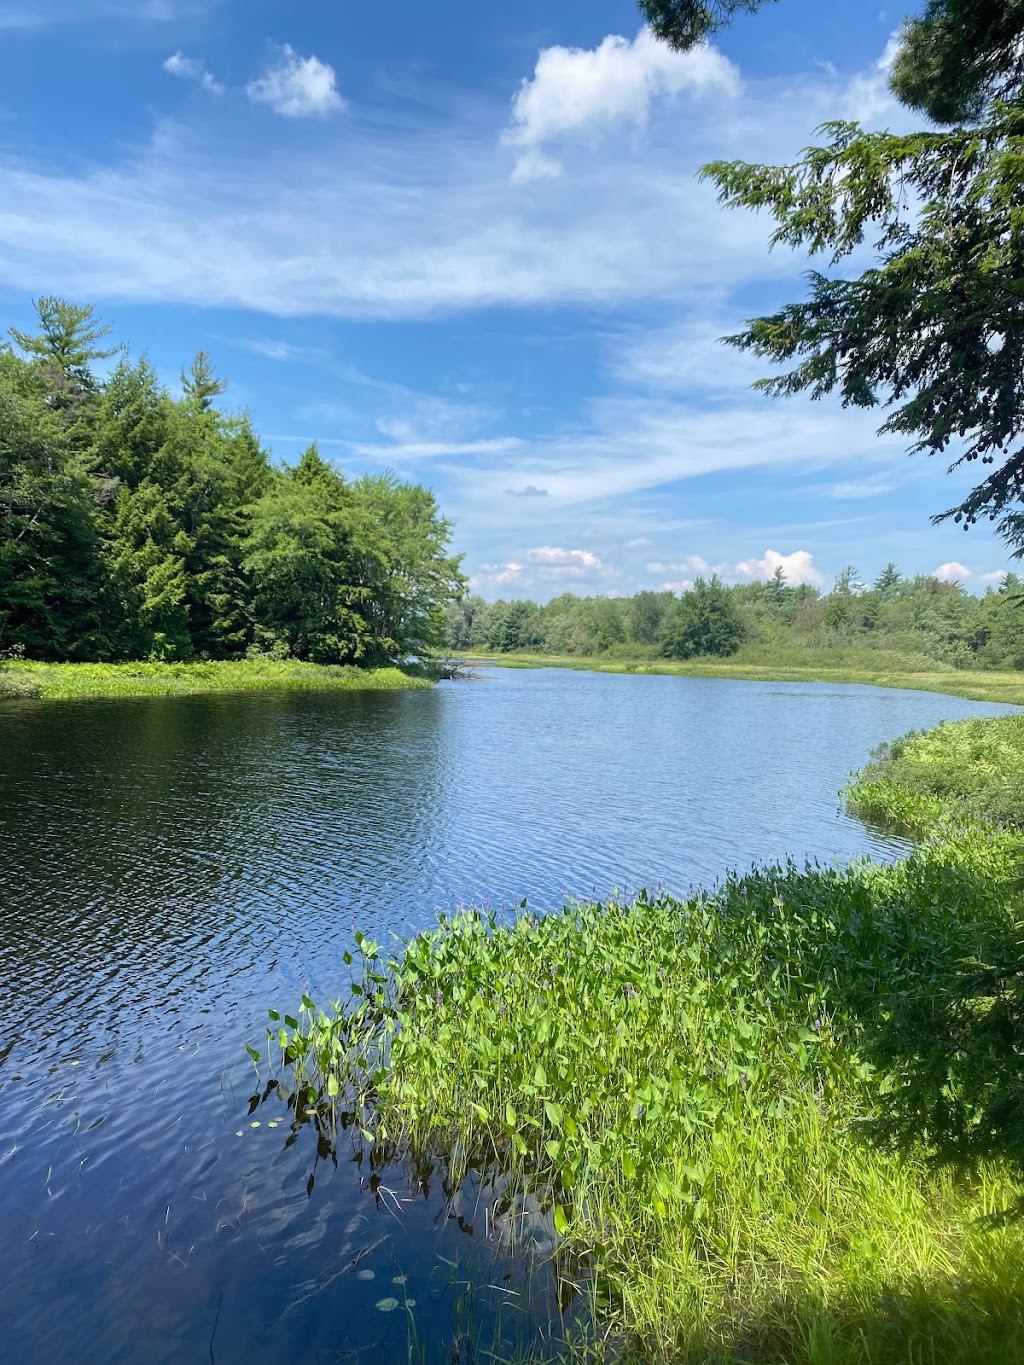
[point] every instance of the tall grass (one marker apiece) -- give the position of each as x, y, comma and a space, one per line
697, 1092
24, 679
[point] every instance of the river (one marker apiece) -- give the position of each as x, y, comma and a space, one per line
174, 867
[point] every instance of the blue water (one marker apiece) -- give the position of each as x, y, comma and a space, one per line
174, 867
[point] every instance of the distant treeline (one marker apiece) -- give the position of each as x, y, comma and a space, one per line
138, 525
920, 618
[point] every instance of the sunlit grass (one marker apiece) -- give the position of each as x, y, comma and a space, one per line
23, 679
775, 1122
689, 1086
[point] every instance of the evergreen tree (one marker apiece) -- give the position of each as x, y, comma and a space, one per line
704, 621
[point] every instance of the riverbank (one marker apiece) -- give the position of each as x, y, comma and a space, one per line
876, 668
26, 680
774, 1122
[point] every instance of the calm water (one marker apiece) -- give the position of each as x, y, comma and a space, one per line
171, 868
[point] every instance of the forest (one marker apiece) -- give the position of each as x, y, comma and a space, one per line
140, 525
924, 620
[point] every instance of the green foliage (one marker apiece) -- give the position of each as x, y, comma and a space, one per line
137, 526
954, 1040
897, 625
687, 1087
685, 23
61, 681
951, 61
703, 622
957, 55
934, 328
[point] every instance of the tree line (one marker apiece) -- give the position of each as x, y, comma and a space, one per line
921, 618
135, 524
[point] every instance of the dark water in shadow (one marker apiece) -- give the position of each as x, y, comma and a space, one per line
173, 867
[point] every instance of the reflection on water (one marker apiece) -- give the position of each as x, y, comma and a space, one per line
173, 867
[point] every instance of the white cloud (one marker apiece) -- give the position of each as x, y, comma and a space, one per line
692, 564
868, 98
638, 543
952, 572
192, 69
555, 555
413, 226
428, 450
798, 568
996, 576
298, 87
495, 575
852, 489
577, 90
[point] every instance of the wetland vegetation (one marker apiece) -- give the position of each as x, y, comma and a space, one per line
777, 1121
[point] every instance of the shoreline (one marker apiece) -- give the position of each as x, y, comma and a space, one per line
770, 1115
973, 685
21, 681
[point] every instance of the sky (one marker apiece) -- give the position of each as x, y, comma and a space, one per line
467, 243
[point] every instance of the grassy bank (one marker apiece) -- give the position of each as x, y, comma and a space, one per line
732, 1107
21, 680
879, 668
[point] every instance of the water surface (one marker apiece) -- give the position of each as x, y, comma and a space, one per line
172, 867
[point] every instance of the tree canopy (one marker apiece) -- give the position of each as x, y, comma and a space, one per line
933, 330
952, 59
139, 525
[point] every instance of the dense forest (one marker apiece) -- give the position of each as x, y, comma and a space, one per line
924, 620
135, 524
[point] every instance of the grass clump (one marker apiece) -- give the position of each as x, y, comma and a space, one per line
26, 679
697, 1092
970, 771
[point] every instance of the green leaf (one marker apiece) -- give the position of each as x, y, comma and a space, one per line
561, 1221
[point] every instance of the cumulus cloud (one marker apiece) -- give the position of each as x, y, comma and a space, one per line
298, 87
556, 555
952, 572
577, 90
530, 491
798, 568
495, 575
192, 69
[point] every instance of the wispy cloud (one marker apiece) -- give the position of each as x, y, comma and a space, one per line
298, 87
193, 69
429, 450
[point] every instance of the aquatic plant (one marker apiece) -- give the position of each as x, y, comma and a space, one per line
31, 679
692, 1088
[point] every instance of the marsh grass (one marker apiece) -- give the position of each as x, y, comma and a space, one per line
696, 1092
24, 679
970, 771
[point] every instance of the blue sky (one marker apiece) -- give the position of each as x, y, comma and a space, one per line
466, 242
